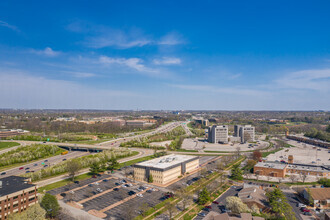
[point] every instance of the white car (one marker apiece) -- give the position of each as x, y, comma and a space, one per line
99, 190
300, 205
96, 183
139, 195
153, 189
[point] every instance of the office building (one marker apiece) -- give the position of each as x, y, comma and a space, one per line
165, 169
245, 132
16, 195
218, 134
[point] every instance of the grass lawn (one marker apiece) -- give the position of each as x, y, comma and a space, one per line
4, 145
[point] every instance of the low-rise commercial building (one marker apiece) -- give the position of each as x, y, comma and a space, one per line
218, 134
165, 169
11, 132
225, 216
16, 195
253, 196
319, 196
276, 169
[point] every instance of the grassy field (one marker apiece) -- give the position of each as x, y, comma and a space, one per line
4, 145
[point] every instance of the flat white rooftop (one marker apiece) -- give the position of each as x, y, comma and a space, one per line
167, 161
280, 166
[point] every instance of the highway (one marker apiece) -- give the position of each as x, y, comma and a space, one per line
74, 154
35, 166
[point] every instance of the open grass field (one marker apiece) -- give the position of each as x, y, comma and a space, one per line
4, 145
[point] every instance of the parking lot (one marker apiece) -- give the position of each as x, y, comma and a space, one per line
98, 194
202, 144
219, 204
303, 154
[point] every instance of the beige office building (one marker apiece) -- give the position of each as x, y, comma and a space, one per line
218, 134
165, 169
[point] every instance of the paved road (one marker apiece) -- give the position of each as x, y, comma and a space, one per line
232, 191
293, 201
35, 166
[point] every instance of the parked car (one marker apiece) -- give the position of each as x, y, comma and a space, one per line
99, 190
131, 193
97, 183
117, 184
105, 180
304, 209
300, 205
208, 207
115, 189
76, 182
202, 214
91, 185
139, 195
149, 191
215, 202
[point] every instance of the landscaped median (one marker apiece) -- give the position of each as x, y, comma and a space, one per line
83, 162
5, 145
27, 154
89, 175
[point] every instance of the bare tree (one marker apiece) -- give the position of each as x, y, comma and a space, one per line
73, 168
293, 178
303, 176
170, 208
186, 197
238, 152
144, 208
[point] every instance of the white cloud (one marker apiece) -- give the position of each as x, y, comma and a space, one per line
80, 74
5, 24
317, 79
171, 39
167, 61
46, 52
213, 89
134, 63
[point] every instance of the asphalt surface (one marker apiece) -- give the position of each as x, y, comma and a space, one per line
232, 191
35, 166
293, 201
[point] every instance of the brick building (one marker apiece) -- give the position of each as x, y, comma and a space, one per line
16, 195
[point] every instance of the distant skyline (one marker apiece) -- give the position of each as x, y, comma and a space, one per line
162, 55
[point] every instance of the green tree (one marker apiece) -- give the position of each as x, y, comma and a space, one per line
34, 212
73, 167
236, 173
203, 197
325, 182
94, 168
50, 204
278, 202
150, 179
113, 164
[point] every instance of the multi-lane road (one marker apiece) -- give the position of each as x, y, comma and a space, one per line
37, 165
40, 164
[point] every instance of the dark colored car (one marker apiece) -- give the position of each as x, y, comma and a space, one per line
27, 168
46, 161
215, 202
64, 159
46, 166
27, 171
208, 207
105, 180
21, 168
94, 176
91, 185
131, 193
98, 174
35, 164
149, 191
116, 189
117, 184
3, 173
76, 182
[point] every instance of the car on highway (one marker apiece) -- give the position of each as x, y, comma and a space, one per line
27, 168
35, 164
46, 165
3, 173
28, 171
64, 159
46, 161
21, 168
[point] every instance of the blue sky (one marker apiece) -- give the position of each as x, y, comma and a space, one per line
159, 55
